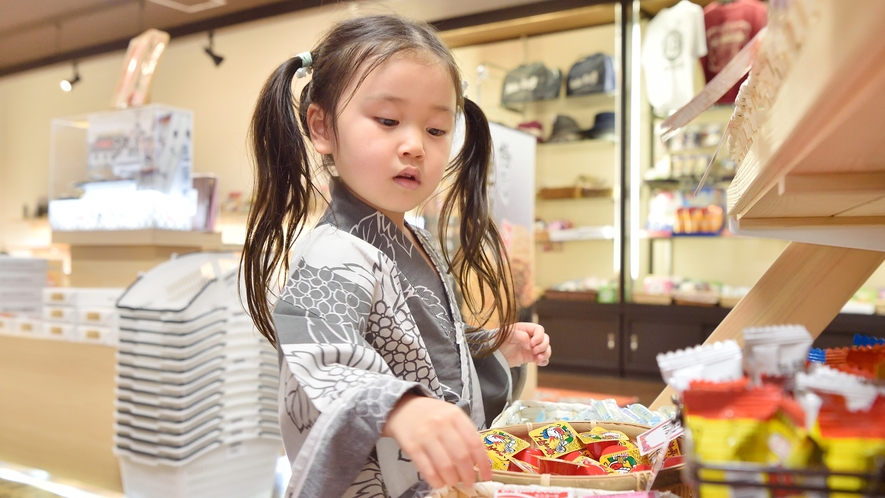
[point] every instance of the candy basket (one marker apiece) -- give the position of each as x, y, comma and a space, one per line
667, 479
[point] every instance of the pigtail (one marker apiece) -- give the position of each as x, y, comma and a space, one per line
282, 191
481, 256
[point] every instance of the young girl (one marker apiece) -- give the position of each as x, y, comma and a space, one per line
382, 386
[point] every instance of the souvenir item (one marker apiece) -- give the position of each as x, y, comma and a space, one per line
556, 439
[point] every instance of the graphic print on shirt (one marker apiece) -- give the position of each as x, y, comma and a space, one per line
725, 41
672, 45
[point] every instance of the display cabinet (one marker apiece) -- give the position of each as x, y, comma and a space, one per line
576, 174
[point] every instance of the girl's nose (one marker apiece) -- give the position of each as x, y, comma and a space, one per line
412, 144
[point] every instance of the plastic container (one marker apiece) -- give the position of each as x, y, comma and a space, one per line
238, 470
60, 331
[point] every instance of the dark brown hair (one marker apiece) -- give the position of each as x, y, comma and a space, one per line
283, 176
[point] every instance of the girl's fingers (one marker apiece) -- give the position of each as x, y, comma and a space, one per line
427, 469
477, 450
441, 461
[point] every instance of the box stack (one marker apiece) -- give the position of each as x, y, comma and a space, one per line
81, 315
21, 285
196, 385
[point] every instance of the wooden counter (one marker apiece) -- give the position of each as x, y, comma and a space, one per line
57, 405
110, 258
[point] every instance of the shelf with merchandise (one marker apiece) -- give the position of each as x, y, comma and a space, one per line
563, 103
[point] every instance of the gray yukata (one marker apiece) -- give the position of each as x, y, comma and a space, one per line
362, 320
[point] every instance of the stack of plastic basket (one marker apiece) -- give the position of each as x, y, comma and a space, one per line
196, 386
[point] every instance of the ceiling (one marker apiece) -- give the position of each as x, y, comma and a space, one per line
36, 33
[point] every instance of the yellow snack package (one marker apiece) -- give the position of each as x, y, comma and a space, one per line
503, 442
600, 434
556, 439
498, 461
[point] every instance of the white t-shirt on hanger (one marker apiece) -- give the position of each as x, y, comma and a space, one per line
674, 41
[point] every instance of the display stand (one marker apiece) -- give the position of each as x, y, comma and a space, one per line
815, 172
115, 258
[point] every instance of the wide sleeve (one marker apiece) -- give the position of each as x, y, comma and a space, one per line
499, 383
349, 350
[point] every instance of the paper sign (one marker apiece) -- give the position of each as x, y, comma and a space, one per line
658, 436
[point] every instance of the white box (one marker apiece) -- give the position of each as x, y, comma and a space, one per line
29, 326
14, 299
82, 297
22, 265
65, 314
23, 279
104, 317
96, 335
7, 325
61, 331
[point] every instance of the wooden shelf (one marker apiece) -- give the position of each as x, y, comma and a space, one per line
137, 238
814, 174
816, 169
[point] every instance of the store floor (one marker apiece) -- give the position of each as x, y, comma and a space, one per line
553, 385
599, 387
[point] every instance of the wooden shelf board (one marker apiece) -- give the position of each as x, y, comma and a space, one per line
828, 113
553, 22
870, 238
138, 238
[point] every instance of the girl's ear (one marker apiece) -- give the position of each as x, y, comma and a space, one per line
320, 134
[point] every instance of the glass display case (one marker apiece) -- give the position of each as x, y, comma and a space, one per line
122, 170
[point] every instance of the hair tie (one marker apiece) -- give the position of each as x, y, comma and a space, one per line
306, 63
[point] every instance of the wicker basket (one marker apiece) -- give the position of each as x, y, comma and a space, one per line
667, 480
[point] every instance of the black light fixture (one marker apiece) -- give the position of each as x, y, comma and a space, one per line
210, 50
68, 84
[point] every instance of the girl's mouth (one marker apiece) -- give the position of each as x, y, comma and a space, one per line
407, 180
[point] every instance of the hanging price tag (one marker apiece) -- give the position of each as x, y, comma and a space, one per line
658, 436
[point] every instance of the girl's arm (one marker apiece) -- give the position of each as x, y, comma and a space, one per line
440, 440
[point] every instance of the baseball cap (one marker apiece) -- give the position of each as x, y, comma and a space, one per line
531, 82
603, 126
592, 74
565, 129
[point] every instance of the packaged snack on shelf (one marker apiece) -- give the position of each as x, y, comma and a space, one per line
865, 340
850, 424
720, 361
776, 353
522, 411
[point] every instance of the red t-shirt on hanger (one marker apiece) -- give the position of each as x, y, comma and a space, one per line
730, 26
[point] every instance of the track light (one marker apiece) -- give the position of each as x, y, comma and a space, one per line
210, 50
68, 85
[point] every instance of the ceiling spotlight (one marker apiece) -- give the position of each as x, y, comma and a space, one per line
210, 50
68, 84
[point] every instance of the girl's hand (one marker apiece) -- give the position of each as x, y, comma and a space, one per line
528, 342
440, 439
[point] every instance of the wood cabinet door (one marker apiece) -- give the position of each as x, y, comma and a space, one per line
583, 335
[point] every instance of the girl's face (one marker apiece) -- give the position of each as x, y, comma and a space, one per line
394, 135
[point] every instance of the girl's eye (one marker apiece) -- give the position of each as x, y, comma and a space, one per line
436, 132
387, 122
